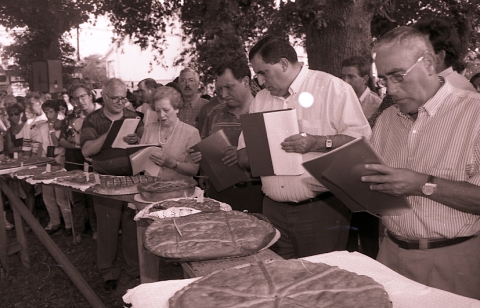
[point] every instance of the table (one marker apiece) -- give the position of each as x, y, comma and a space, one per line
403, 292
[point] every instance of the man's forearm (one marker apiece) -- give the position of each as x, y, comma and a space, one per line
243, 158
337, 141
461, 196
92, 147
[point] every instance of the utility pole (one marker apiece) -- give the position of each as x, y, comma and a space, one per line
78, 43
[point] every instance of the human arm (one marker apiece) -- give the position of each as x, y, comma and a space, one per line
313, 143
93, 146
242, 158
167, 161
462, 196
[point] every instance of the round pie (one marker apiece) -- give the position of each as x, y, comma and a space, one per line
161, 189
208, 235
282, 284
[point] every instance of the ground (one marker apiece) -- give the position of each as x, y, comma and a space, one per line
45, 284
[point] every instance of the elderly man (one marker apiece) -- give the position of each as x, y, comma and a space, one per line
110, 213
192, 102
429, 142
145, 89
311, 220
233, 87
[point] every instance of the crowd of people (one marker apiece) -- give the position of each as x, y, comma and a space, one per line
426, 129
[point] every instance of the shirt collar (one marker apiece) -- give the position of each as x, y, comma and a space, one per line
432, 105
298, 82
364, 95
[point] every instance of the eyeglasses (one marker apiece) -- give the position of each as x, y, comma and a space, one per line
14, 114
116, 100
396, 77
81, 97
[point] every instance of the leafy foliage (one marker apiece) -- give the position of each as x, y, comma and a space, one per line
94, 68
39, 31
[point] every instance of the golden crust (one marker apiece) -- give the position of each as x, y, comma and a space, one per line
208, 235
281, 284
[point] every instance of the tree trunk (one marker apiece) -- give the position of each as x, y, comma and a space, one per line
345, 32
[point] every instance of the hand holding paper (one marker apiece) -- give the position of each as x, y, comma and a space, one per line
230, 157
393, 181
195, 155
298, 144
131, 139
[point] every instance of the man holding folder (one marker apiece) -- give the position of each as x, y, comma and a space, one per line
310, 219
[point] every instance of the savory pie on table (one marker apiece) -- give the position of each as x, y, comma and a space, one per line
209, 235
282, 284
166, 189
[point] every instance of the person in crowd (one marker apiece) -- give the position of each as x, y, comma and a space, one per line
356, 71
110, 213
66, 97
9, 100
82, 204
174, 136
429, 143
189, 83
444, 38
145, 89
475, 81
55, 198
12, 143
62, 105
233, 88
48, 96
311, 219
202, 114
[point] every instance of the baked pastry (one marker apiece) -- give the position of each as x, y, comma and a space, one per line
282, 284
121, 185
207, 205
162, 189
35, 171
8, 163
208, 235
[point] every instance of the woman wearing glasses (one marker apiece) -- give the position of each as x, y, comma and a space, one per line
12, 143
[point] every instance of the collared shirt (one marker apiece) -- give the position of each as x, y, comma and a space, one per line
443, 141
189, 112
97, 124
456, 80
220, 117
335, 111
370, 102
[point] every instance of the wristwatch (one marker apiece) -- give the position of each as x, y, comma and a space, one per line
429, 187
328, 143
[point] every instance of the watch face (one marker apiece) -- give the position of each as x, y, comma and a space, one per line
428, 190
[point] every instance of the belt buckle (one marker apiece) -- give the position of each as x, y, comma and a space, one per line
423, 244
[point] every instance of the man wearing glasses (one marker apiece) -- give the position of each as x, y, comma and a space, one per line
111, 213
430, 144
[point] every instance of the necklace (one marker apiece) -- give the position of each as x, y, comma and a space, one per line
167, 139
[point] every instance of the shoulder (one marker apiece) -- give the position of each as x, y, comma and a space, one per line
130, 113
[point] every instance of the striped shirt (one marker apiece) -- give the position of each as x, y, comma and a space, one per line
443, 141
335, 111
219, 118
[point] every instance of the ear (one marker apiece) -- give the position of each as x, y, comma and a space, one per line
430, 63
284, 63
365, 79
246, 81
440, 58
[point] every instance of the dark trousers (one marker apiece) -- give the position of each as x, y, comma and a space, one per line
110, 213
309, 229
248, 198
364, 226
82, 208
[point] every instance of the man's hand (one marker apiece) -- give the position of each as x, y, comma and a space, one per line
230, 157
204, 183
393, 181
298, 143
195, 156
131, 139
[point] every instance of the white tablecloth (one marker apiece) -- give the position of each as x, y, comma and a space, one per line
402, 291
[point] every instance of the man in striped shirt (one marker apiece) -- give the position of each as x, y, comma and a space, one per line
430, 144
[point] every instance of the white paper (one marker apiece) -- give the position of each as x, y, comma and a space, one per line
141, 161
279, 126
128, 127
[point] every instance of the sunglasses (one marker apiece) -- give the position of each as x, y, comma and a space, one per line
14, 114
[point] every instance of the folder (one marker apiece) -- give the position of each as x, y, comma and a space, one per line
118, 130
340, 171
263, 133
141, 161
221, 175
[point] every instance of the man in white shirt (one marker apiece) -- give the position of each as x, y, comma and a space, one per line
310, 219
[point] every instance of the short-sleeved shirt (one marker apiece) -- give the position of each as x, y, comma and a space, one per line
189, 112
444, 141
183, 138
370, 102
335, 111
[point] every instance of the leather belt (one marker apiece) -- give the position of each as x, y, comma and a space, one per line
320, 197
247, 184
426, 243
